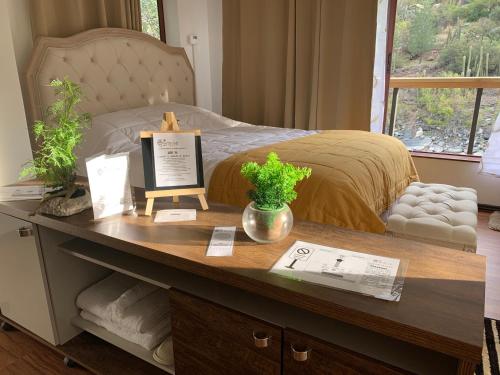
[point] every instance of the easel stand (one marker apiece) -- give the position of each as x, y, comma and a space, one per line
175, 194
170, 124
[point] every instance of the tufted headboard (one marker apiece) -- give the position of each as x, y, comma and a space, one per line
116, 69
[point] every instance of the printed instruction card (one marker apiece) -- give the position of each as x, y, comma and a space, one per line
174, 215
342, 269
221, 243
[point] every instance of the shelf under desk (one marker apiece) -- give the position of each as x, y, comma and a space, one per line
136, 350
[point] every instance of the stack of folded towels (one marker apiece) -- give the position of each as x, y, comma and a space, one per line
131, 309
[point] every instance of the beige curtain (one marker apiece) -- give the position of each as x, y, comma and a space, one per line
60, 18
299, 63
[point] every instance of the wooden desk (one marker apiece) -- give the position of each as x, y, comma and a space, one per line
441, 307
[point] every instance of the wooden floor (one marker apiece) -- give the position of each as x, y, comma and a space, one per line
489, 246
22, 355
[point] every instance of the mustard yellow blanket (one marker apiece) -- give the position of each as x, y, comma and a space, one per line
356, 175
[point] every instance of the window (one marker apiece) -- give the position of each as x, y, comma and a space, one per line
445, 75
152, 18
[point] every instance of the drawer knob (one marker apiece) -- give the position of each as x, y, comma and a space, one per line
300, 353
261, 339
25, 232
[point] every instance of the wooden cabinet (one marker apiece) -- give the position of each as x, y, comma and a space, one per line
210, 339
303, 354
23, 297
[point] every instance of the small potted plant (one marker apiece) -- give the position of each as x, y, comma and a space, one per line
268, 218
54, 161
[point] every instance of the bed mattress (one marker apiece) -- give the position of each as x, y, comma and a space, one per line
116, 132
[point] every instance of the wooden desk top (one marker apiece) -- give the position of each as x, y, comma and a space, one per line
442, 303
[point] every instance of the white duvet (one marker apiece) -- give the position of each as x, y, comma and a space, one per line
220, 138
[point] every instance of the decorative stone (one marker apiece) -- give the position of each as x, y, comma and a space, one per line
61, 206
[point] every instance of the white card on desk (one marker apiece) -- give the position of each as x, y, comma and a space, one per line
109, 184
167, 216
22, 192
221, 244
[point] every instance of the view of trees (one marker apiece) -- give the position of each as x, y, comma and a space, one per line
149, 18
461, 36
452, 38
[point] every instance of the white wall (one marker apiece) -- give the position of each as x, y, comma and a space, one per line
15, 147
171, 23
203, 18
21, 31
460, 173
215, 42
193, 19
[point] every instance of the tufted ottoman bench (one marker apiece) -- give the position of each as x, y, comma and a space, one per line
440, 214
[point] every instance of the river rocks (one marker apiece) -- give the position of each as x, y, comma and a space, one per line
452, 139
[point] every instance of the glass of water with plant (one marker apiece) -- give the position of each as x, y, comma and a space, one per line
268, 217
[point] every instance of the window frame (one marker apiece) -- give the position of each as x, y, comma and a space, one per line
161, 20
389, 128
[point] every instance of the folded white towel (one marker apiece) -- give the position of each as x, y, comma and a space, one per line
146, 313
130, 297
97, 298
147, 340
130, 303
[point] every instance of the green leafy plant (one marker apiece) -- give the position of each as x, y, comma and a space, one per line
55, 161
422, 33
444, 107
274, 182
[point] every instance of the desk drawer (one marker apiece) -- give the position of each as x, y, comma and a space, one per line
303, 354
211, 339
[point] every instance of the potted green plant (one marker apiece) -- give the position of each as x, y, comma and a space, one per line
268, 217
54, 161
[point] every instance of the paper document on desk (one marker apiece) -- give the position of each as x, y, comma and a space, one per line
20, 193
342, 269
174, 215
221, 243
109, 184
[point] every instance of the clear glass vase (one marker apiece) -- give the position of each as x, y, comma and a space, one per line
267, 226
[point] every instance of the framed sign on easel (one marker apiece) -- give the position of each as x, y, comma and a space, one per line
173, 164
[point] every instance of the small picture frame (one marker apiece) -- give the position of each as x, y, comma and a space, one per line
173, 163
154, 178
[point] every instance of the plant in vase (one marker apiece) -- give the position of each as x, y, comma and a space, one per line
54, 162
268, 218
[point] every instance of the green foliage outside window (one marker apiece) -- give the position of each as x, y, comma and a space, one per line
55, 161
466, 43
422, 32
444, 107
274, 182
149, 18
463, 34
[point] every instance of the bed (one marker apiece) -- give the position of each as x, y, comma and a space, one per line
130, 79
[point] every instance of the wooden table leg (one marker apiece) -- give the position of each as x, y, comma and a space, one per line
465, 368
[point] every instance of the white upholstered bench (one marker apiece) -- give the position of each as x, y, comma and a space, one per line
440, 214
